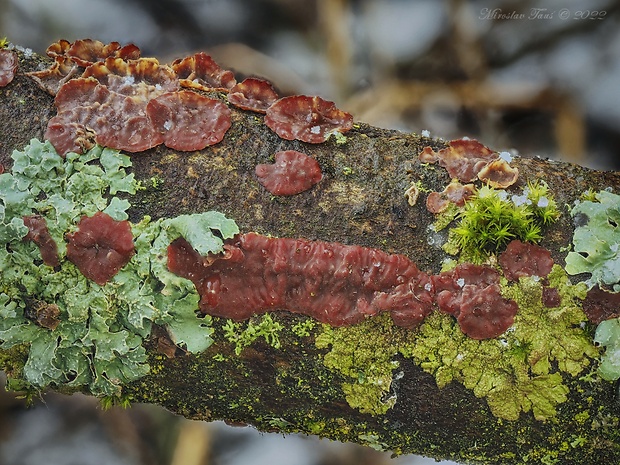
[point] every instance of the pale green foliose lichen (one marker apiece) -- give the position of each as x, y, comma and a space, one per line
98, 340
516, 372
595, 251
596, 243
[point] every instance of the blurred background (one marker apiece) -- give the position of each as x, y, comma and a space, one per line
539, 78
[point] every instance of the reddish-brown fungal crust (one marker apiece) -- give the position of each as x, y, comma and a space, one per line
485, 313
8, 66
200, 71
85, 52
522, 259
292, 173
600, 305
51, 79
455, 192
551, 297
331, 282
253, 94
308, 119
499, 174
100, 247
471, 293
189, 121
463, 158
40, 235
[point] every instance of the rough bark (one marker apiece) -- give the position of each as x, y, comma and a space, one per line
359, 201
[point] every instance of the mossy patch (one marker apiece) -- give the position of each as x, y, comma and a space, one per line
522, 370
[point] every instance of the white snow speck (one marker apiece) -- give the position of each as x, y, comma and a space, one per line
426, 133
315, 129
543, 202
167, 125
505, 156
428, 286
460, 282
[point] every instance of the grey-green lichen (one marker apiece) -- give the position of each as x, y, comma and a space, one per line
596, 250
516, 372
97, 342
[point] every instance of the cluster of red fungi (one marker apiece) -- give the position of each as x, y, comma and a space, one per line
108, 95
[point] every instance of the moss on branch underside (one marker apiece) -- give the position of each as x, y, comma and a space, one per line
533, 395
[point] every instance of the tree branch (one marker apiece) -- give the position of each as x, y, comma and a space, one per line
373, 383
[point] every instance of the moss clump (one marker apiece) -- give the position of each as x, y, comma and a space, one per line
517, 372
490, 219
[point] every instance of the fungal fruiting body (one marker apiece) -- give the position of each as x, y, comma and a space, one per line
100, 247
292, 173
308, 119
253, 94
8, 67
40, 235
334, 283
468, 160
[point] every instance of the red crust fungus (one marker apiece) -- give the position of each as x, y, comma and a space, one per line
499, 174
331, 282
455, 192
40, 235
600, 305
522, 259
85, 52
471, 293
308, 119
189, 121
201, 72
100, 247
253, 94
468, 160
8, 67
292, 173
52, 78
551, 297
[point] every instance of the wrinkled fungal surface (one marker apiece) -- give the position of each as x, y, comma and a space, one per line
601, 305
253, 94
189, 121
40, 235
331, 282
499, 174
455, 192
525, 259
201, 72
308, 119
8, 66
292, 173
471, 293
463, 158
100, 247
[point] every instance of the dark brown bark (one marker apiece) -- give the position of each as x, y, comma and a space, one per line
359, 201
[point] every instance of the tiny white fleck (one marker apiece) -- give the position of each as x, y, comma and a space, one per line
460, 282
535, 278
129, 80
426, 133
428, 287
158, 87
167, 125
315, 129
465, 138
519, 200
543, 202
459, 357
503, 195
503, 342
505, 156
